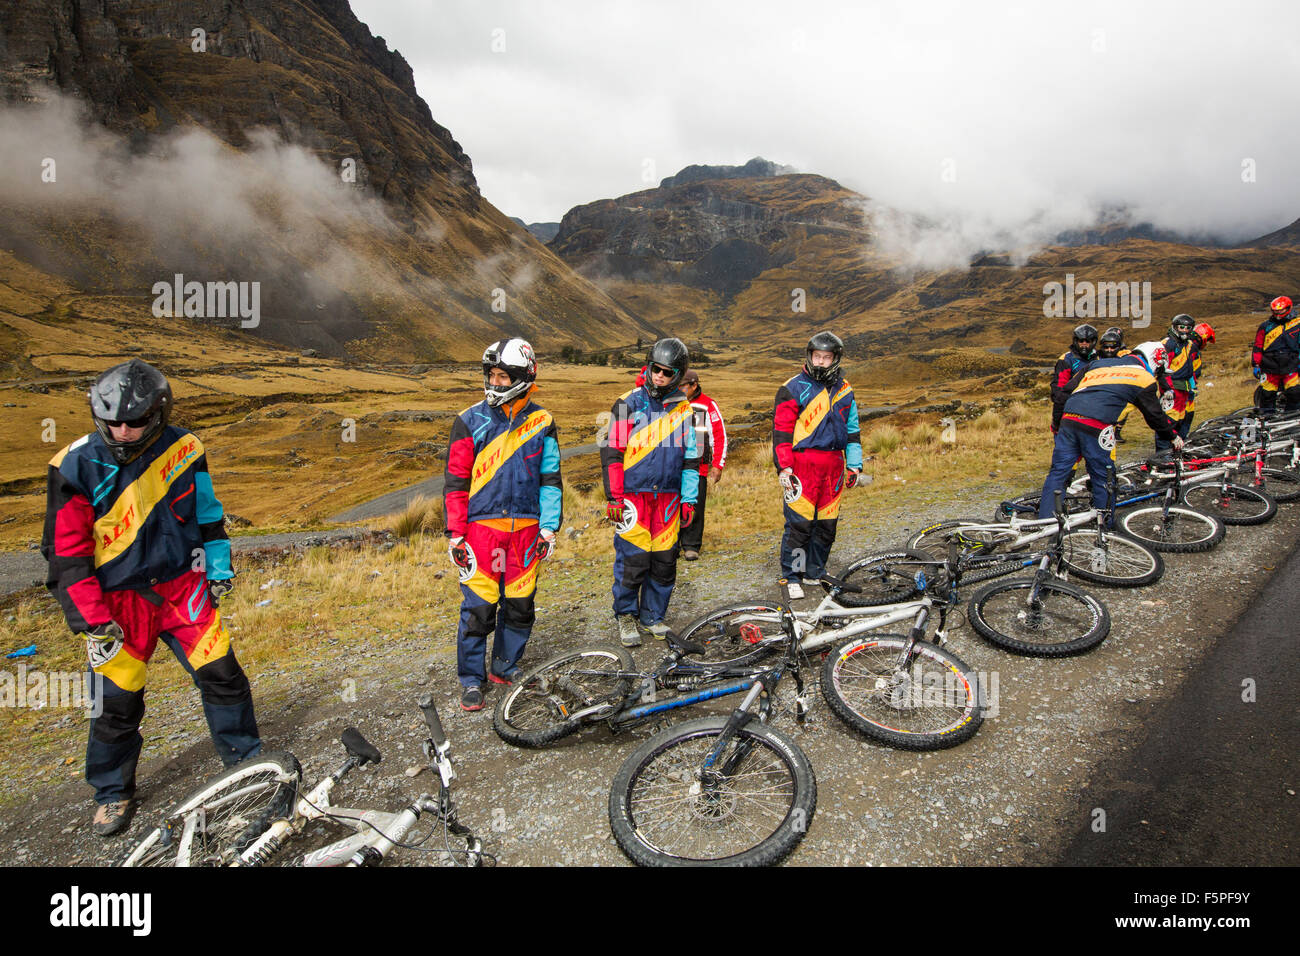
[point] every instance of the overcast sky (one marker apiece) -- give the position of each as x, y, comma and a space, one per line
996, 113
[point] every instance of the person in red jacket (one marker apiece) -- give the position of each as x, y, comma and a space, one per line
504, 502
711, 444
817, 451
1275, 358
137, 553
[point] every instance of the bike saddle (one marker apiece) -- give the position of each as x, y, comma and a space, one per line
1014, 507
357, 746
832, 583
686, 647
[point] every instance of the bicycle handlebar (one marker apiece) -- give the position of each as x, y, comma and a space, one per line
431, 718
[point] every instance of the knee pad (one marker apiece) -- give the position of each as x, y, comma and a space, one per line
518, 612
663, 566
223, 681
120, 719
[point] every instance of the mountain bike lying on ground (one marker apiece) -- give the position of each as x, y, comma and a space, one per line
1146, 504
248, 813
1095, 554
593, 684
1038, 616
721, 790
897, 689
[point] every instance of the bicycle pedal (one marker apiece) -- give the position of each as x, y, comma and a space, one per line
751, 632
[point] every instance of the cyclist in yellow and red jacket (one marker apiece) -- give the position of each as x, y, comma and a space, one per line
1183, 373
137, 552
815, 438
1275, 358
504, 503
1095, 399
650, 468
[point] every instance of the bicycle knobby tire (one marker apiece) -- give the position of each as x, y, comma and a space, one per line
536, 710
254, 794
663, 814
935, 704
1065, 621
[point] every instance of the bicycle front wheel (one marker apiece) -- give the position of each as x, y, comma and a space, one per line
1111, 559
217, 823
928, 703
538, 708
750, 808
1056, 621
1234, 504
1178, 530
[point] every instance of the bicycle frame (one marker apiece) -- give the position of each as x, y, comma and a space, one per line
379, 831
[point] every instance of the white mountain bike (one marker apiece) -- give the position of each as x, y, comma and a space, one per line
248, 813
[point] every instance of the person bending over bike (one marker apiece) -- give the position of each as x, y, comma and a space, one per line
650, 469
815, 437
1082, 350
504, 503
1275, 358
137, 552
1095, 399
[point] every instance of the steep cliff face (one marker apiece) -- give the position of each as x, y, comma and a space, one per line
434, 273
716, 233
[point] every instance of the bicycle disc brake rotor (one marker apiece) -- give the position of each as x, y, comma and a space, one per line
712, 801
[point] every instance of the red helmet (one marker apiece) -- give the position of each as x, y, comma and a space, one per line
1205, 332
1281, 305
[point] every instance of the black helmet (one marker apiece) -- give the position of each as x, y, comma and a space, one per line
1086, 336
514, 357
824, 342
135, 393
670, 353
1111, 341
1181, 326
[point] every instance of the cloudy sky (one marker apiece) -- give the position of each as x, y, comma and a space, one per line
994, 115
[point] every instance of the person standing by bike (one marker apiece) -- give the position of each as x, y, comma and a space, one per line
711, 442
1082, 350
815, 438
137, 551
1275, 358
1094, 400
1179, 401
504, 503
650, 469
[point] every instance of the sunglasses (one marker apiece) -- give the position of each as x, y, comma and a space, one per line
132, 423
657, 369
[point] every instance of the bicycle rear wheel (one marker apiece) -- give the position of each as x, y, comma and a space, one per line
218, 822
1279, 484
888, 577
930, 703
933, 539
751, 809
1233, 505
538, 708
1061, 621
1180, 530
1113, 560
737, 633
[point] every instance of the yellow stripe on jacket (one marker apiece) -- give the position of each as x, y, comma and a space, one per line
116, 530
